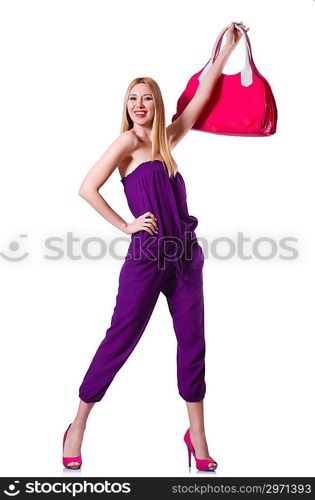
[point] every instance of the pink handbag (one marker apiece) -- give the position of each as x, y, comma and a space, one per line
241, 104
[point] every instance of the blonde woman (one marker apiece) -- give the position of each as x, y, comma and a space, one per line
163, 255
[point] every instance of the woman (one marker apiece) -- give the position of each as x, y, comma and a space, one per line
157, 197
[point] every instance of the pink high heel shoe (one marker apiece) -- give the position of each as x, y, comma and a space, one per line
67, 460
201, 463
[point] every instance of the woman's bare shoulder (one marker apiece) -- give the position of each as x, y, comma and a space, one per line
129, 142
124, 144
127, 139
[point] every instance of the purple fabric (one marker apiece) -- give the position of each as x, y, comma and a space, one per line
149, 188
150, 268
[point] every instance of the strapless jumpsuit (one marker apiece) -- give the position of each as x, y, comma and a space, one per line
170, 262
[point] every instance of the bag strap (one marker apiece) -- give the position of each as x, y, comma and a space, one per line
246, 73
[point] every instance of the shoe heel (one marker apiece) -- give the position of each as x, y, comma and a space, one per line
189, 457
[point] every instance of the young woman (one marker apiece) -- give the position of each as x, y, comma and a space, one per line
156, 195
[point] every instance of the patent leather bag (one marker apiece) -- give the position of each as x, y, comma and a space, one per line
241, 104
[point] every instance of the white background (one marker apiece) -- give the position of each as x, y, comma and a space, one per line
65, 68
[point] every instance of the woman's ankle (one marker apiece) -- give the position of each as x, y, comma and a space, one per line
198, 431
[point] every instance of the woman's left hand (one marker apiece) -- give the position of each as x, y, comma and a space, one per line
233, 35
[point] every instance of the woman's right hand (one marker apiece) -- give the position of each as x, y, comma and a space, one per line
233, 35
145, 222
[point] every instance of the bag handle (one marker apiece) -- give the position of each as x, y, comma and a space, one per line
246, 73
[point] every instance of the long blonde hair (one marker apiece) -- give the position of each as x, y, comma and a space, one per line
159, 137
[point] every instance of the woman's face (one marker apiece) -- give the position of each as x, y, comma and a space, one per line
140, 104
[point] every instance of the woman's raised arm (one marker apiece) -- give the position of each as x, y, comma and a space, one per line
189, 116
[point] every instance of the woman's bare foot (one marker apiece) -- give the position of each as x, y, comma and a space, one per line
73, 443
199, 442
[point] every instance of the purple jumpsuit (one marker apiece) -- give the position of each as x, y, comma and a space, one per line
170, 262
